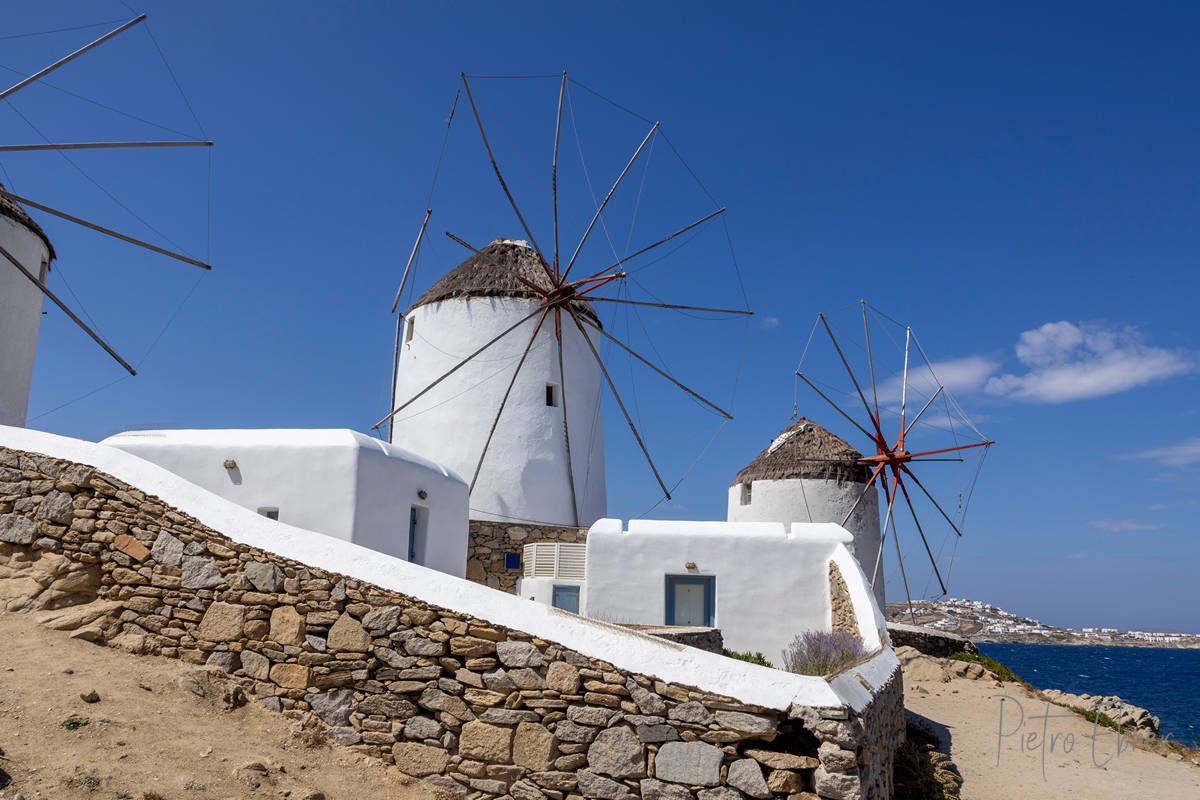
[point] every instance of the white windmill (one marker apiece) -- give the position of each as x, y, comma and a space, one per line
531, 446
26, 255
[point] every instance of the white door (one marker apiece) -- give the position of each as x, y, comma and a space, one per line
689, 604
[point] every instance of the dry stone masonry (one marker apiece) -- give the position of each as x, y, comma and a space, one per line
488, 542
477, 710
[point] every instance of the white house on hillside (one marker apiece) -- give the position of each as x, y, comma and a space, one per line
337, 482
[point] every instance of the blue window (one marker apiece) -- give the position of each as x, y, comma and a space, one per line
691, 600
512, 560
567, 598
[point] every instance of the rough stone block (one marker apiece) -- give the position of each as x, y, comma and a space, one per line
488, 743
598, 787
222, 622
420, 760
200, 572
746, 775
332, 707
518, 654
619, 753
533, 747
266, 578
167, 550
691, 763
660, 790
287, 626
131, 547
290, 676
837, 786
16, 529
563, 678
348, 635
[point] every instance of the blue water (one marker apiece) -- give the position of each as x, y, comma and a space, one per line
1165, 682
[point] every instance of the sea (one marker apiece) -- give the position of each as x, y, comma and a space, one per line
1166, 682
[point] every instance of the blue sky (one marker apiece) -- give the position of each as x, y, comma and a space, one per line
1017, 183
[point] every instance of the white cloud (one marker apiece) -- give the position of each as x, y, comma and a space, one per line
1069, 362
1125, 525
958, 375
770, 323
1182, 454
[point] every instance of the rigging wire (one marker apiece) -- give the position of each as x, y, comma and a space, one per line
69, 93
587, 177
62, 30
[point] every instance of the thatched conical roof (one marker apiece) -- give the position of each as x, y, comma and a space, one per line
12, 210
804, 439
494, 272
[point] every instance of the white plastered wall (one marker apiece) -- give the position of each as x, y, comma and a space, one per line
816, 500
337, 482
771, 582
524, 475
668, 661
20, 317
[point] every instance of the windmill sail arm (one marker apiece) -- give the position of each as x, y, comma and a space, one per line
62, 62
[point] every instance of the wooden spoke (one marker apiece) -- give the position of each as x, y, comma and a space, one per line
891, 495
69, 58
863, 494
903, 578
17, 148
46, 291
503, 402
458, 366
562, 392
923, 408
102, 229
904, 386
499, 177
836, 407
411, 257
924, 541
950, 449
648, 248
554, 190
621, 404
936, 505
870, 359
878, 437
624, 347
670, 305
608, 197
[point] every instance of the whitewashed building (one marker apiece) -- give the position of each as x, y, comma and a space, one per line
809, 475
526, 475
761, 583
337, 482
20, 307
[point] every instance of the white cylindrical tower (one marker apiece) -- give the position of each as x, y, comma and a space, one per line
524, 476
809, 475
20, 307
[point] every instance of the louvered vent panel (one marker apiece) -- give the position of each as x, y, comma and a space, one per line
555, 560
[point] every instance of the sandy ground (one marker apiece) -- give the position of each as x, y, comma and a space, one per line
1062, 756
146, 734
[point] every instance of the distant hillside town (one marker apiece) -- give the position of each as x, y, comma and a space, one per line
983, 622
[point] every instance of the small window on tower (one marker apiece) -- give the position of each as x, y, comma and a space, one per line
551, 394
745, 494
270, 512
408, 330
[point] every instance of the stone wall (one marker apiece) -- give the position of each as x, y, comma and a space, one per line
478, 710
488, 542
929, 641
843, 617
709, 639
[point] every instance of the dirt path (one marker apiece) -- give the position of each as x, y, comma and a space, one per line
146, 734
967, 713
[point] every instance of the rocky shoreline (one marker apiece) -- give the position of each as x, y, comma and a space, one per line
1126, 715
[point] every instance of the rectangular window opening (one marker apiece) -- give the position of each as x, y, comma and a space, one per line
418, 528
270, 512
409, 327
551, 394
745, 494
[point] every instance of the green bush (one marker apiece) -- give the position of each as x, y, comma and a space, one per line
753, 658
1002, 672
920, 772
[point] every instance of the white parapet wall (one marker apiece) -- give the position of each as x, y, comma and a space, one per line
670, 662
767, 582
334, 481
816, 500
